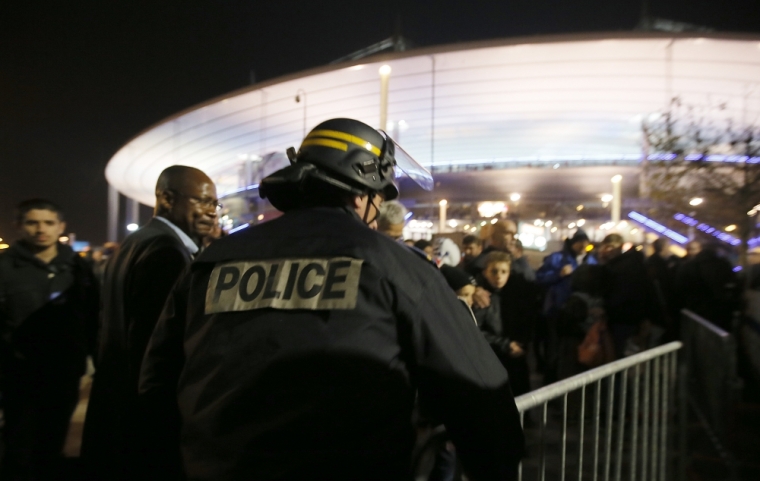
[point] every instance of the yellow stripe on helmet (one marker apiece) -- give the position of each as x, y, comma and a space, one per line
326, 143
335, 134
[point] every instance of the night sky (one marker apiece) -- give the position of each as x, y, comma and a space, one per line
78, 79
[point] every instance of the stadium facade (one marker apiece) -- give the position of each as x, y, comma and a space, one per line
551, 118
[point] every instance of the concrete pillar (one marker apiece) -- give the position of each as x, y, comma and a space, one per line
442, 206
113, 214
385, 76
616, 198
133, 212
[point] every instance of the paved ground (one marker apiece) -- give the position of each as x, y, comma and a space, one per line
704, 464
74, 438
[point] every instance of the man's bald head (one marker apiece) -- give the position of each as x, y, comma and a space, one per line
186, 196
503, 234
177, 177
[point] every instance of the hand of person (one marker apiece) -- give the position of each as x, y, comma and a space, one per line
481, 299
516, 349
566, 270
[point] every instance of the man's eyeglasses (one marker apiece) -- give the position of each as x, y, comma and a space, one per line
206, 203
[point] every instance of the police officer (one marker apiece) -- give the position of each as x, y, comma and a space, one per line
294, 348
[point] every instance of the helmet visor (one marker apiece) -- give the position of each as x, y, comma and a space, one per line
406, 163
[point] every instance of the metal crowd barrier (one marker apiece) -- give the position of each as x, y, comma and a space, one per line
633, 414
711, 385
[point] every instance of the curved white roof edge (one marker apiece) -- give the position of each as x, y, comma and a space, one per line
538, 99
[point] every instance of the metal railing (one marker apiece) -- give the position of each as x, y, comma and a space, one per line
634, 412
710, 385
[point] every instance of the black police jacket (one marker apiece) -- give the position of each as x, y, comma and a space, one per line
294, 349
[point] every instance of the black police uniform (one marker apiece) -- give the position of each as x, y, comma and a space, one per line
295, 349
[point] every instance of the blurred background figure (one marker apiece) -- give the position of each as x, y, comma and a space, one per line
520, 262
99, 261
446, 251
554, 277
502, 238
708, 286
662, 267
425, 246
471, 248
391, 219
216, 233
635, 315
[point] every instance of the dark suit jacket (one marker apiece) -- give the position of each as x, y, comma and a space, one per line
137, 282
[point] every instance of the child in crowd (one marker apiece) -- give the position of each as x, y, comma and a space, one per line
491, 321
461, 282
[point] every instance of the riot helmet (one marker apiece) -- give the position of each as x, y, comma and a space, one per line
342, 155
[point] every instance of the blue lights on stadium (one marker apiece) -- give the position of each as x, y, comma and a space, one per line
728, 239
706, 158
659, 228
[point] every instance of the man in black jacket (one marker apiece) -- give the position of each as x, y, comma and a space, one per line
709, 287
137, 283
631, 298
295, 348
48, 317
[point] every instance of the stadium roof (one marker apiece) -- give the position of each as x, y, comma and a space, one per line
576, 98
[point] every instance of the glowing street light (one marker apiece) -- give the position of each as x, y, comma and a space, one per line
490, 209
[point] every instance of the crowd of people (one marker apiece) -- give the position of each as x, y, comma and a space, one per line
583, 291
304, 344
